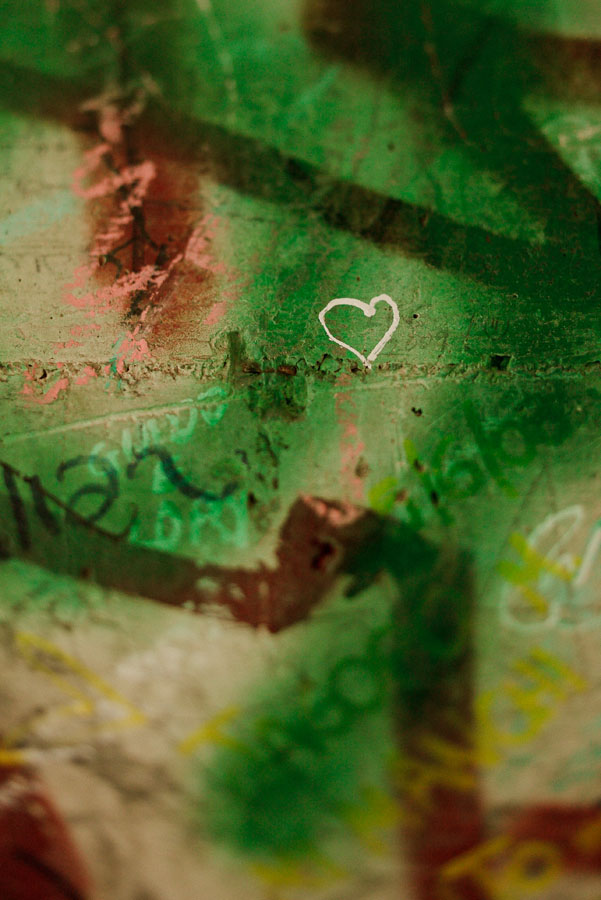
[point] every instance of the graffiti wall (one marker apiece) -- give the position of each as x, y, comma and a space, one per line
300, 379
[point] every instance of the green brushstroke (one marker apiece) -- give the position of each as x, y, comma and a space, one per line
321, 733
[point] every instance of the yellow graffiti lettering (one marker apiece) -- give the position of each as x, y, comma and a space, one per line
540, 667
588, 837
316, 872
473, 864
376, 812
532, 867
211, 732
77, 682
529, 867
532, 565
544, 675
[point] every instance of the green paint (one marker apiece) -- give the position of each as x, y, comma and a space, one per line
345, 159
315, 739
308, 742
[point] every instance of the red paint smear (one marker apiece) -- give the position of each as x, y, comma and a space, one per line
575, 831
315, 541
151, 256
447, 823
151, 249
38, 860
199, 287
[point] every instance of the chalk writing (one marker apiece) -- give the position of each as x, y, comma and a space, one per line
205, 515
41, 497
369, 310
184, 486
548, 582
109, 491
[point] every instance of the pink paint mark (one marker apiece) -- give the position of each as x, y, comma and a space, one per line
141, 235
111, 124
339, 515
116, 189
351, 449
81, 330
118, 294
125, 187
136, 177
132, 348
88, 373
64, 345
198, 252
49, 396
92, 159
216, 313
198, 249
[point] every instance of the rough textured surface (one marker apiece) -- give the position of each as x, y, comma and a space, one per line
274, 624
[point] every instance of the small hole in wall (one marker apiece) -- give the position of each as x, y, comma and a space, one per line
323, 557
362, 468
500, 362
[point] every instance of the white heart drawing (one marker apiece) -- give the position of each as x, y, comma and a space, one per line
369, 310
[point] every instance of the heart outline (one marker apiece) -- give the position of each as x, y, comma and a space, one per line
369, 310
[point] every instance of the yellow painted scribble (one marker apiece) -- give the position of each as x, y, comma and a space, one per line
318, 871
382, 495
527, 573
473, 864
435, 763
64, 670
211, 732
10, 758
533, 563
539, 677
376, 813
587, 838
503, 873
544, 659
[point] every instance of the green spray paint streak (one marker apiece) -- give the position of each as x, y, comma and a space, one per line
296, 761
316, 739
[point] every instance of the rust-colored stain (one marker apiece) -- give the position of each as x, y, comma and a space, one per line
38, 860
